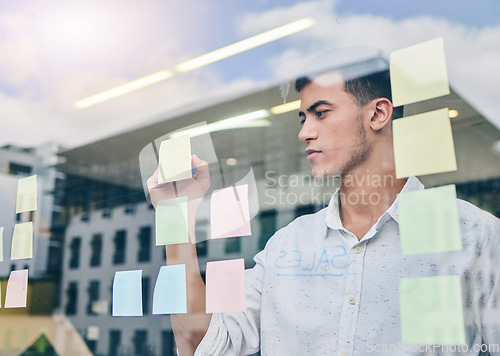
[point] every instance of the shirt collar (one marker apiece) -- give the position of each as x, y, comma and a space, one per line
333, 217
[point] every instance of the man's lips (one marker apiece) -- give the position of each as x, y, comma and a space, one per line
312, 153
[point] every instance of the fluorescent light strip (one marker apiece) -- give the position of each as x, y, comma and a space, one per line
283, 108
124, 89
246, 44
252, 119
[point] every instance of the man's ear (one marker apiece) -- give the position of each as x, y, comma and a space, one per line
382, 113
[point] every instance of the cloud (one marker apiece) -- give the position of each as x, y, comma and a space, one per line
472, 54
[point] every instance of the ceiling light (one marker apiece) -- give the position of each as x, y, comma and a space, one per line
246, 44
252, 119
124, 89
283, 108
231, 161
452, 113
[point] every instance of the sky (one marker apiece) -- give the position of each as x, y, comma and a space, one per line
55, 52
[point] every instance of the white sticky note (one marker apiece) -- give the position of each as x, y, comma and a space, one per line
175, 160
230, 212
17, 289
22, 241
423, 144
419, 73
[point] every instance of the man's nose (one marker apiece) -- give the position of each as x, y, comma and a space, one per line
307, 132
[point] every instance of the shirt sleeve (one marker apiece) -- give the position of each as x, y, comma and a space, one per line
489, 280
238, 333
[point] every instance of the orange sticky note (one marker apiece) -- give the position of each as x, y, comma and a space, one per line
17, 289
230, 212
226, 286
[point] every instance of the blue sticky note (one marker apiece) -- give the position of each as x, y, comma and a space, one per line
127, 293
169, 296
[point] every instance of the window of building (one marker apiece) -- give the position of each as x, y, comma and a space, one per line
144, 253
232, 245
141, 343
19, 169
93, 292
120, 242
96, 250
115, 339
267, 220
74, 250
201, 235
92, 345
145, 295
72, 298
168, 347
202, 248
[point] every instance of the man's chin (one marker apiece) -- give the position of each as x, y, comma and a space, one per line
324, 174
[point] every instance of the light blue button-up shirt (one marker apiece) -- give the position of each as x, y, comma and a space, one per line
317, 290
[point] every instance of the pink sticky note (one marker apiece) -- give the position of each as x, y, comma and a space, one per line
17, 289
226, 286
230, 212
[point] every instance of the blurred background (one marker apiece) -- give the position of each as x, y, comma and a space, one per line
86, 85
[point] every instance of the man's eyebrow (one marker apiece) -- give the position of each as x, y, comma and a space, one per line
318, 103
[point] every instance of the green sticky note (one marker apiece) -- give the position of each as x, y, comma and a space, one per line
171, 221
22, 241
26, 194
419, 73
428, 221
431, 310
175, 159
423, 144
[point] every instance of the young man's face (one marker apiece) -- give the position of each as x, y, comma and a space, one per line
333, 128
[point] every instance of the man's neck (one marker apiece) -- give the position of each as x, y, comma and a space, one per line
365, 194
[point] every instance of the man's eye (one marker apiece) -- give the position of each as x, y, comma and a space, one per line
321, 113
302, 121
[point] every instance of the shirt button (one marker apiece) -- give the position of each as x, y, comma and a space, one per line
358, 249
352, 300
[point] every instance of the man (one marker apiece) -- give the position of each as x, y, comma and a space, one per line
327, 283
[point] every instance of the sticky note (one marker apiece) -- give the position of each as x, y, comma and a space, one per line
169, 296
171, 221
1, 244
419, 73
230, 212
431, 310
175, 159
26, 194
423, 144
127, 293
428, 221
17, 289
225, 286
22, 241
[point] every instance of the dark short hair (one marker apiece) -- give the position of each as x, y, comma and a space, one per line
362, 88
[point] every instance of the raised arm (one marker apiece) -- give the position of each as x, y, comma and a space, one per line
189, 329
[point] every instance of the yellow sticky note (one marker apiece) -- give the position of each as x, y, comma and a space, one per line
26, 194
175, 160
419, 73
22, 241
423, 144
431, 310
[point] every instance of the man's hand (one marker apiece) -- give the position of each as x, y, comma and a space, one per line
194, 188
